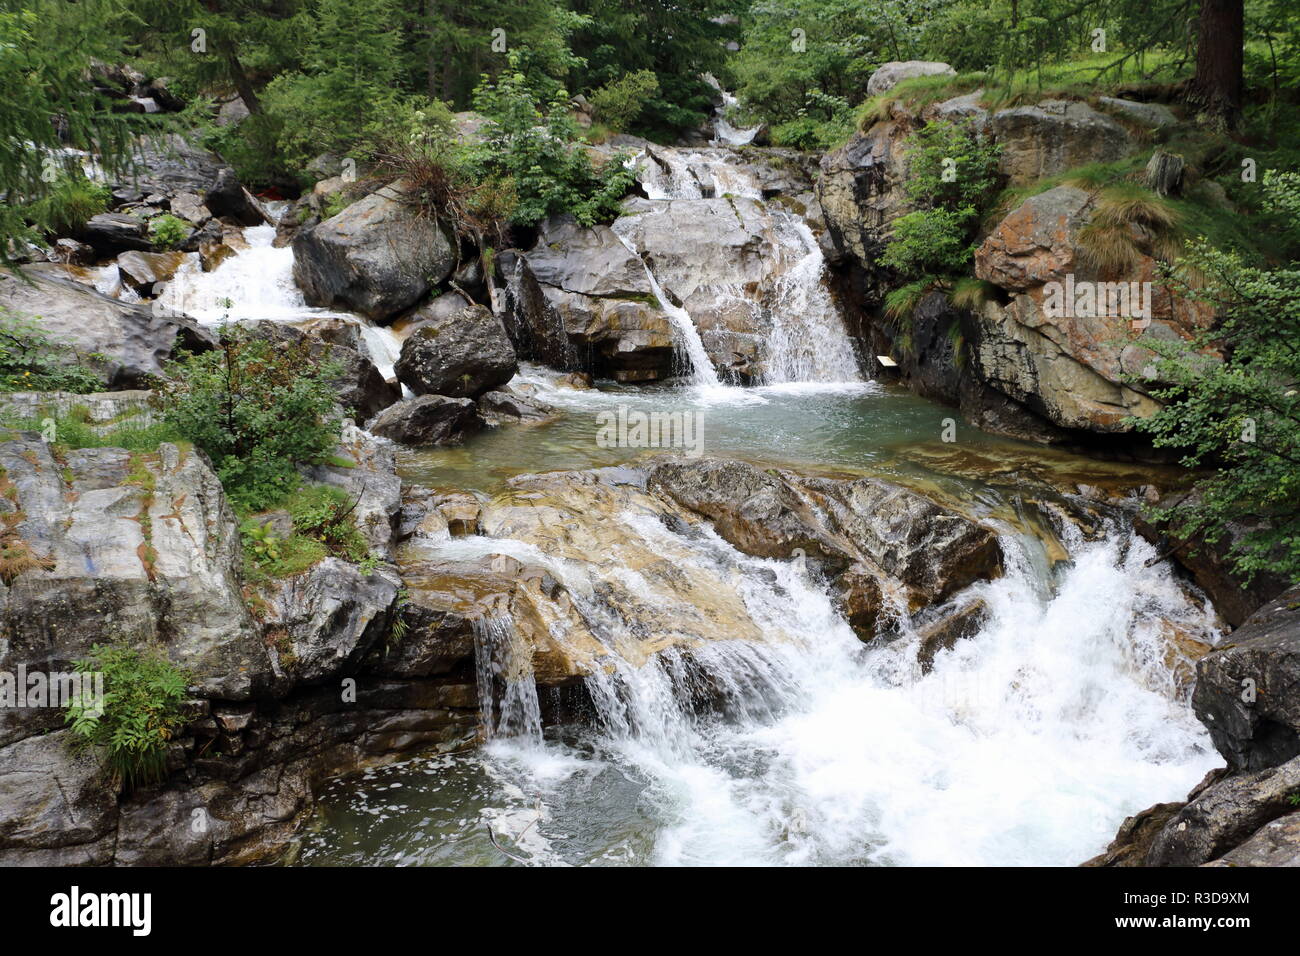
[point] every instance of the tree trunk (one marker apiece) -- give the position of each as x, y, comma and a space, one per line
1217, 86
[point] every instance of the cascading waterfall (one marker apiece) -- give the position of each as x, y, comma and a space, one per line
808, 340
689, 345
256, 285
724, 132
1026, 744
507, 692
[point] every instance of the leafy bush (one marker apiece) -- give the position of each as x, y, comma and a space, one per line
258, 409
952, 173
537, 148
619, 102
168, 231
140, 710
1241, 414
30, 361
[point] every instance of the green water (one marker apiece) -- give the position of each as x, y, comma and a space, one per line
865, 426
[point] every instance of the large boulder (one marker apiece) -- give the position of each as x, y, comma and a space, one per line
141, 547
1056, 135
581, 300
124, 344
1248, 690
755, 510
861, 189
110, 233
891, 74
54, 807
428, 420
461, 355
1224, 815
1081, 368
920, 551
379, 256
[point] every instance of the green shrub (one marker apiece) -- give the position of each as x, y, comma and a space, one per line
138, 715
619, 102
257, 409
323, 526
952, 173
168, 231
537, 148
1240, 415
324, 513
30, 361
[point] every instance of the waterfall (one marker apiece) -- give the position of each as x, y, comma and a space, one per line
688, 344
507, 692
1025, 744
724, 132
256, 284
808, 341
805, 337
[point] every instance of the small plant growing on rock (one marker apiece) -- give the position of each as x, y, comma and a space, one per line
167, 231
952, 175
30, 361
138, 715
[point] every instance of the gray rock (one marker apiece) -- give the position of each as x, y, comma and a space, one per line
459, 356
51, 798
891, 74
328, 618
428, 420
1274, 844
1150, 115
1225, 815
227, 198
505, 405
1247, 689
896, 533
110, 233
377, 256
1055, 135
141, 270
153, 559
133, 340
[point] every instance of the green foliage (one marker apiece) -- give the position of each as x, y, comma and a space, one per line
619, 102
536, 145
257, 409
45, 50
138, 715
30, 361
952, 175
1241, 414
168, 231
70, 204
323, 526
678, 40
